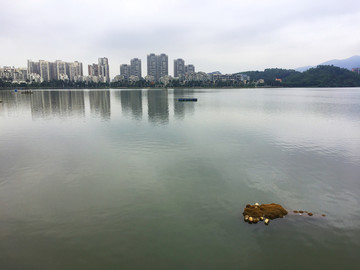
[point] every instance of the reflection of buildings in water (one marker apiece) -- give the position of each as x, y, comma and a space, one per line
100, 103
44, 104
131, 102
14, 102
57, 103
9, 102
180, 108
158, 106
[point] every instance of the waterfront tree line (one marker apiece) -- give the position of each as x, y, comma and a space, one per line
59, 84
321, 76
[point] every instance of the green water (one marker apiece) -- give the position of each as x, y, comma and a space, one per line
135, 179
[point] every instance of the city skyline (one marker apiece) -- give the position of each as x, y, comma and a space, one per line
157, 67
229, 36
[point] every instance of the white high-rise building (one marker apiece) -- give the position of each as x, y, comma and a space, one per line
60, 69
104, 69
44, 70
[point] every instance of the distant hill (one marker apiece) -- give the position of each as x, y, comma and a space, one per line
348, 63
302, 69
323, 76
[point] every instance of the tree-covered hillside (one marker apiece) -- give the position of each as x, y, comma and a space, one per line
269, 75
323, 76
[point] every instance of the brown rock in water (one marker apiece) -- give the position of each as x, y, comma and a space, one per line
270, 211
310, 214
296, 211
301, 211
323, 215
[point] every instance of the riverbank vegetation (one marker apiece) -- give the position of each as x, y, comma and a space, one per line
321, 76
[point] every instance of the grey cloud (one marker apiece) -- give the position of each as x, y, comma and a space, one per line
212, 34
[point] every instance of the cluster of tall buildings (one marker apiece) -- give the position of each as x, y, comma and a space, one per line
157, 66
42, 70
132, 71
59, 70
14, 74
180, 69
157, 69
99, 72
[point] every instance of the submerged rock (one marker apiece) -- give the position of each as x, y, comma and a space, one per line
266, 212
258, 212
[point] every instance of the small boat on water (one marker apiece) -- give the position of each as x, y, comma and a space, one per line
27, 92
187, 99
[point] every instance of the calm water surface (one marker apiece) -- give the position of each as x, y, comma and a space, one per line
134, 179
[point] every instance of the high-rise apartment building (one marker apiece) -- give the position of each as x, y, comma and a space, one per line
135, 67
104, 69
93, 70
44, 70
179, 68
157, 66
125, 71
189, 69
163, 65
60, 69
74, 70
33, 67
151, 65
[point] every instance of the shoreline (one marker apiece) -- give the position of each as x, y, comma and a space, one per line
166, 88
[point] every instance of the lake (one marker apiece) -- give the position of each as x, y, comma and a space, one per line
135, 179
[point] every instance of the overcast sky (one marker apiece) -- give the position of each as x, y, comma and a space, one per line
225, 35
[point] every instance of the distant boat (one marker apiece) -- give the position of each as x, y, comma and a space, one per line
187, 99
26, 92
